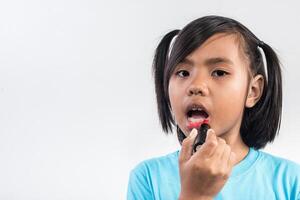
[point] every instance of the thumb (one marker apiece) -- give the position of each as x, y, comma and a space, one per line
210, 144
187, 147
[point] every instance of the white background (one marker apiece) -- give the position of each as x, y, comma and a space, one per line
77, 102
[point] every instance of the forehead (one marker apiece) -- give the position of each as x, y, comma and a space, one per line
221, 45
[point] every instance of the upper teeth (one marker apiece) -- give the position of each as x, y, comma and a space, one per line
196, 109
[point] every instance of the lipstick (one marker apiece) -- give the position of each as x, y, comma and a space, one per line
197, 124
202, 128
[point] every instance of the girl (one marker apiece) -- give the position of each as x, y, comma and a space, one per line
217, 69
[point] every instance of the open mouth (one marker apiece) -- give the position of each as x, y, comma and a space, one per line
196, 114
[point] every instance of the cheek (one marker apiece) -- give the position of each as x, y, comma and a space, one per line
173, 93
176, 97
231, 98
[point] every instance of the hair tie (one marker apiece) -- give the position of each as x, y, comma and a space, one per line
171, 45
261, 43
263, 55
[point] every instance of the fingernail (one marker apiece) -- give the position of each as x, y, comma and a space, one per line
194, 132
209, 132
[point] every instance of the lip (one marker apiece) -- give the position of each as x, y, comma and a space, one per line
188, 124
197, 105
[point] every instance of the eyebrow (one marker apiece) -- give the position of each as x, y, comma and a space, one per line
209, 61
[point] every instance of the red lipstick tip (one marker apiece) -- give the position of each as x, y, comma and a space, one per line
197, 124
205, 121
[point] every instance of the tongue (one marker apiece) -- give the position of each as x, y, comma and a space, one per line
196, 118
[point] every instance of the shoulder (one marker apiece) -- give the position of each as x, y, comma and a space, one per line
146, 175
279, 162
157, 163
280, 170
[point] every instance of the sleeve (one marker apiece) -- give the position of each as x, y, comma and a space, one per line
138, 185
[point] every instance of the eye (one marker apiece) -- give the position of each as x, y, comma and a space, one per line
219, 73
182, 73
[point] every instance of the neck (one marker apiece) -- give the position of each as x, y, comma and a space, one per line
237, 146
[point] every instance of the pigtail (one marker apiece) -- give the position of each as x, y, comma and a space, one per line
158, 67
262, 123
273, 100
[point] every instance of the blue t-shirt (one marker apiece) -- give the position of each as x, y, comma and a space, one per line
258, 176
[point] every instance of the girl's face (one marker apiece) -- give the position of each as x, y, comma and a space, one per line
213, 78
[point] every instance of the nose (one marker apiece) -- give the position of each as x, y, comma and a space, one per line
198, 88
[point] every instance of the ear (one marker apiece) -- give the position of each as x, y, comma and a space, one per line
255, 90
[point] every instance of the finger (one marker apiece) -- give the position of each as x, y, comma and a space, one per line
225, 158
232, 159
210, 144
187, 146
220, 149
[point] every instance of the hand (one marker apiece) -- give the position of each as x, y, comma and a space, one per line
204, 173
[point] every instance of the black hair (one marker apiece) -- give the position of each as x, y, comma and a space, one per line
261, 123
